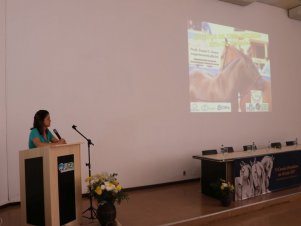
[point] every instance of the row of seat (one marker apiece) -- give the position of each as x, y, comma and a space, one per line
247, 147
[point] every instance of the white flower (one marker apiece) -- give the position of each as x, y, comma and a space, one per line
103, 187
109, 186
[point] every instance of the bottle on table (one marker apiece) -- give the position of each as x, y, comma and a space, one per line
253, 146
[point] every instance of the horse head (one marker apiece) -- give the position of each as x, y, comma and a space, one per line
249, 74
229, 55
267, 162
246, 180
245, 171
255, 173
258, 175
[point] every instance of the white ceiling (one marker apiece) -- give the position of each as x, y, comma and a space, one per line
285, 4
293, 7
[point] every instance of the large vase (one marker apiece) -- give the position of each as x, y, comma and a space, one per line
227, 199
106, 214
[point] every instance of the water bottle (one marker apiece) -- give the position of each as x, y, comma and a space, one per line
222, 149
253, 146
238, 98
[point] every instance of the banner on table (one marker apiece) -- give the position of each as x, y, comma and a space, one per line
262, 174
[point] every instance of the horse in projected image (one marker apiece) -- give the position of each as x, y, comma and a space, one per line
244, 183
259, 178
238, 76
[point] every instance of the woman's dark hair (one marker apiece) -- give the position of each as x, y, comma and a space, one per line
38, 121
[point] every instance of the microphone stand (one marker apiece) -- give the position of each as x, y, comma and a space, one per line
90, 208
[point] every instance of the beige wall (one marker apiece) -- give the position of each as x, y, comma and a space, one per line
119, 71
3, 154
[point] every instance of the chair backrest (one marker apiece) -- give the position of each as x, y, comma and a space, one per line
209, 152
228, 149
290, 143
276, 145
249, 147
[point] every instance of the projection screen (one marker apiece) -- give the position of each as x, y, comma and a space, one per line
229, 69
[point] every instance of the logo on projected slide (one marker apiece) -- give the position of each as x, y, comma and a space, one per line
66, 167
210, 107
224, 107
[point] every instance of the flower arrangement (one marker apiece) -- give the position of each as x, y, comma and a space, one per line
105, 188
221, 188
225, 188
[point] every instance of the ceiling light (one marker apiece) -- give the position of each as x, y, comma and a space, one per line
240, 2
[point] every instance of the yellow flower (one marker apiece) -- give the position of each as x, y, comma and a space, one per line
118, 188
115, 182
98, 190
222, 187
88, 179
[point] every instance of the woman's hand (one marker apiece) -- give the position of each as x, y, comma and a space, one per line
61, 141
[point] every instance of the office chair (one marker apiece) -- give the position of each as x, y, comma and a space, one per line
209, 152
228, 149
276, 145
249, 147
290, 143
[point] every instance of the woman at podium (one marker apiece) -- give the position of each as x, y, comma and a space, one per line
40, 135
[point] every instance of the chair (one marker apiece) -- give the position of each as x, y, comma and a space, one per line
249, 147
276, 145
209, 152
228, 149
290, 143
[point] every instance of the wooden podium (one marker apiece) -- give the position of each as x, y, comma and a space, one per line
50, 185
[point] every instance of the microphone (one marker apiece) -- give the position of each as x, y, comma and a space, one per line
57, 134
74, 127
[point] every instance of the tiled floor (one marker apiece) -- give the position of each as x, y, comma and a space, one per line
183, 204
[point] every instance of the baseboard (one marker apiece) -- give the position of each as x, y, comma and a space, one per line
10, 204
161, 185
86, 195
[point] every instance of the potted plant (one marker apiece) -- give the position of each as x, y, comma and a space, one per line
106, 189
226, 190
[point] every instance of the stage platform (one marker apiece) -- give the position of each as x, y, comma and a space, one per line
184, 204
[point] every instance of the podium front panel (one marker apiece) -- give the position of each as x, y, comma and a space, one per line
34, 187
66, 188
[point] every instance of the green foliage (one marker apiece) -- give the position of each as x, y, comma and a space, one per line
222, 188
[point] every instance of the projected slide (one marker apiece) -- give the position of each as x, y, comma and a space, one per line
229, 69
